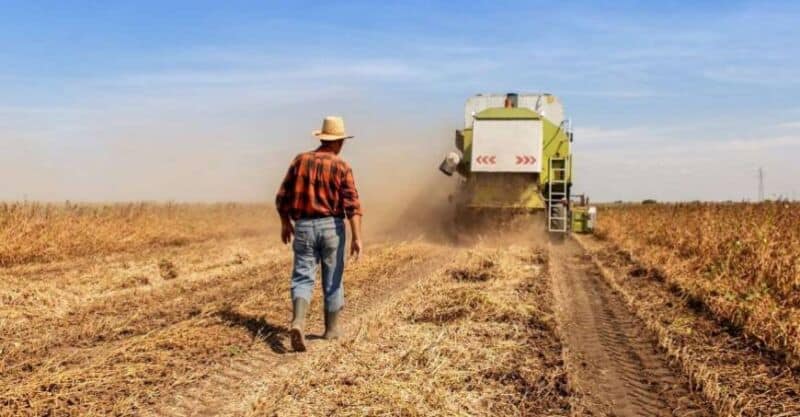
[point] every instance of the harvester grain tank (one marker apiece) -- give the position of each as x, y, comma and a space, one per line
515, 155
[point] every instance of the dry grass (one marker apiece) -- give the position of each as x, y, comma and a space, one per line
740, 261
128, 351
446, 347
32, 232
124, 309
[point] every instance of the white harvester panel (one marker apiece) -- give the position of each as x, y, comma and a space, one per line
507, 146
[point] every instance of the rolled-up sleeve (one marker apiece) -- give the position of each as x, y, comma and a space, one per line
351, 202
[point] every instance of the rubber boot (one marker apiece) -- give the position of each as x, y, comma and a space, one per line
299, 309
332, 330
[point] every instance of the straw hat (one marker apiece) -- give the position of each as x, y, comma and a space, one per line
332, 129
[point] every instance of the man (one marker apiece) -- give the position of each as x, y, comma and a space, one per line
317, 194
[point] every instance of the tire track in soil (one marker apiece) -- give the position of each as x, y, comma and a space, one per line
612, 361
730, 370
231, 389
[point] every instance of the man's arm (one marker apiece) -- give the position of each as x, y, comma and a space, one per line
355, 244
283, 202
287, 229
352, 209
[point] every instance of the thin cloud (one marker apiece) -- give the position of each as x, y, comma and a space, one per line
44, 110
756, 75
596, 134
622, 94
753, 144
348, 70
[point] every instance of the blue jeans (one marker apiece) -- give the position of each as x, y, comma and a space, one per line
319, 241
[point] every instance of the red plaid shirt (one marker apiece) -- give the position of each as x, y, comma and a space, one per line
318, 184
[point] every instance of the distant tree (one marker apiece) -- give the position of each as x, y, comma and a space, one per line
649, 201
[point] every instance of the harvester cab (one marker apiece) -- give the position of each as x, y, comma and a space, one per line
514, 155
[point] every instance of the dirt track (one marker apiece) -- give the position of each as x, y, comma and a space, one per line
485, 328
611, 359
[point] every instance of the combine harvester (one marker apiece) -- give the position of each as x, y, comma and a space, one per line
515, 156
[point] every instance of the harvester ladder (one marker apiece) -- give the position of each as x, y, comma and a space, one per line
557, 209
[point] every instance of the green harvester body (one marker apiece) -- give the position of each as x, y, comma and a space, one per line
515, 155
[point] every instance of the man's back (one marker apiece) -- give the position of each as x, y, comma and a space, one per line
318, 184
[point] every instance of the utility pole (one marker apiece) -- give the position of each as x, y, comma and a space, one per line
760, 184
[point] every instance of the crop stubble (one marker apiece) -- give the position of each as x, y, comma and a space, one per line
169, 325
152, 324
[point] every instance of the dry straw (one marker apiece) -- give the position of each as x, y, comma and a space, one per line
33, 232
448, 346
740, 261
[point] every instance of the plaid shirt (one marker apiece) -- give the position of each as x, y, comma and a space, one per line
318, 184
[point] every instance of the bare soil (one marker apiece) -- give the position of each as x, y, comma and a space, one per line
612, 361
734, 372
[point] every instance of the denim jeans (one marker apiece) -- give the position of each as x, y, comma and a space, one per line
319, 241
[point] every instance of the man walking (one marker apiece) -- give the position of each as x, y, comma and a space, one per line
317, 194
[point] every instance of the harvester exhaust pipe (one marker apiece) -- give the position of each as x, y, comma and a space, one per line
511, 100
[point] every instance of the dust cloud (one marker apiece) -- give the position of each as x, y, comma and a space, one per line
403, 193
407, 201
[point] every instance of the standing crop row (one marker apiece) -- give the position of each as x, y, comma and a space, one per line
33, 232
741, 261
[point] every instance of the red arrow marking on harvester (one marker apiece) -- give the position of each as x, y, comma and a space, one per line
525, 160
486, 159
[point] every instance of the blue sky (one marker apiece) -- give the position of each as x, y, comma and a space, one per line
209, 100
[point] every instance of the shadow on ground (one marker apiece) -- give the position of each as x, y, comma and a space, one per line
273, 335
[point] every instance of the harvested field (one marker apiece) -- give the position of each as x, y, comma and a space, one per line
442, 347
497, 324
199, 328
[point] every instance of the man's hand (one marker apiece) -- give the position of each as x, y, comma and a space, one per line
287, 231
355, 243
355, 248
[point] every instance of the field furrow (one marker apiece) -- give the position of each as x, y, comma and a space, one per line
732, 372
119, 355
